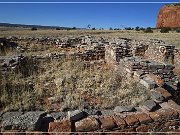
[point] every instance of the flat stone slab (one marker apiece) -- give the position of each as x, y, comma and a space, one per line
76, 115
27, 121
149, 105
120, 109
8, 115
148, 83
156, 95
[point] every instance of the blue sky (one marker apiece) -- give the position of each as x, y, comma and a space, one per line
80, 15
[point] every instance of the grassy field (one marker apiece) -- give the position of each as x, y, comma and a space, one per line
171, 38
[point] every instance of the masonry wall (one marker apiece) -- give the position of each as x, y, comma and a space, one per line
177, 57
163, 120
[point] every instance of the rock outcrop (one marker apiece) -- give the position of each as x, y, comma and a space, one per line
169, 16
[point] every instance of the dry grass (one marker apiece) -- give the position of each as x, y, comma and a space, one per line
73, 85
77, 86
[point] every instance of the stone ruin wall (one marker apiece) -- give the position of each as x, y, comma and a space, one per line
177, 57
89, 48
130, 120
153, 72
161, 120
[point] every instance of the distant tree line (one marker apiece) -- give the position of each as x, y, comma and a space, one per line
137, 28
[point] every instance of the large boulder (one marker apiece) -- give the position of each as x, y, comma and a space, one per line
169, 16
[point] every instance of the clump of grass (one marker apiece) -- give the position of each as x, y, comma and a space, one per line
94, 87
73, 84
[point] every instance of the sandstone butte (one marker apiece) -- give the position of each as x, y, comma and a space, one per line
169, 16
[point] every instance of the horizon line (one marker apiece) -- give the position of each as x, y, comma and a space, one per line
78, 2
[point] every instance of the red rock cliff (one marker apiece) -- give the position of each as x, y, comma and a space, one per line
169, 16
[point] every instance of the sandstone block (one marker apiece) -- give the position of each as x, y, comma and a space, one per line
131, 120
87, 124
164, 93
107, 123
60, 126
143, 118
120, 122
143, 128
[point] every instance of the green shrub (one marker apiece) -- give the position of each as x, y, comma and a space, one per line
165, 30
58, 28
74, 28
137, 28
33, 28
94, 28
128, 28
110, 28
148, 30
178, 30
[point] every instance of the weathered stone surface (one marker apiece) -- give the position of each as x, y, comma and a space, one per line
128, 130
58, 115
168, 17
157, 79
87, 124
164, 93
27, 121
120, 109
8, 115
60, 126
171, 124
76, 115
107, 112
131, 120
156, 96
148, 83
107, 122
164, 114
120, 122
138, 74
149, 105
143, 128
143, 118
168, 114
174, 105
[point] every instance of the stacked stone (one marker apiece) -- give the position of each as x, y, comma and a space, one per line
132, 64
164, 71
99, 51
87, 40
160, 53
122, 119
114, 53
177, 57
12, 63
138, 47
88, 55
